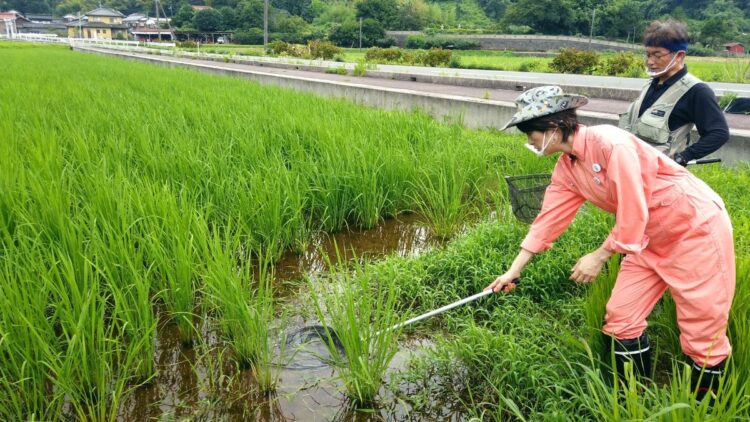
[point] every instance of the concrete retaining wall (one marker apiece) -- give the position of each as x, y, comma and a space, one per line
470, 112
540, 43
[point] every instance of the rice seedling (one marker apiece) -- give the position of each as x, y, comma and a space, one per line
357, 313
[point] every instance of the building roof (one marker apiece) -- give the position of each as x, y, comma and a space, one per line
201, 7
134, 17
146, 30
733, 44
105, 11
78, 24
13, 15
39, 16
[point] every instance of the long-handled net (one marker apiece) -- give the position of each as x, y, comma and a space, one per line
527, 194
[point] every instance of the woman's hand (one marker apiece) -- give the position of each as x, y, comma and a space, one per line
588, 266
505, 282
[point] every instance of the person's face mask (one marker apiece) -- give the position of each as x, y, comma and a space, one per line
545, 144
657, 73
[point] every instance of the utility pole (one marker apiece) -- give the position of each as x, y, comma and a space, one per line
158, 30
591, 33
265, 24
360, 32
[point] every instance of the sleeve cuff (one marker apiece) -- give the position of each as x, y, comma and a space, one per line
534, 245
632, 248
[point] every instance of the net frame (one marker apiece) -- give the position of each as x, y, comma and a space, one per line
527, 194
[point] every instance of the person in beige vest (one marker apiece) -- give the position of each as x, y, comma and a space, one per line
674, 101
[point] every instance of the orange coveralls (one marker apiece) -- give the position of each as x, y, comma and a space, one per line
672, 226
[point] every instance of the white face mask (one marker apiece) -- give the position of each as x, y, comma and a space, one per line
545, 144
657, 73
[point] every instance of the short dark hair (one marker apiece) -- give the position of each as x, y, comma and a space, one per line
662, 34
566, 120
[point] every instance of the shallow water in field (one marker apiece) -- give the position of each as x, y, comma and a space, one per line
197, 383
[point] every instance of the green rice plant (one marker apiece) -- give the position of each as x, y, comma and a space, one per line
171, 249
358, 313
739, 323
245, 312
28, 342
595, 304
92, 369
441, 198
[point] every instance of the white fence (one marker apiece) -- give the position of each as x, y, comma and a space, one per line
52, 38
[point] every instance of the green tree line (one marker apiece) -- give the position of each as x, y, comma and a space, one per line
711, 22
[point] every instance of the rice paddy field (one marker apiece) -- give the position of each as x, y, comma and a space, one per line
148, 218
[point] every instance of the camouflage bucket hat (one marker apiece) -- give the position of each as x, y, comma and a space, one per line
541, 101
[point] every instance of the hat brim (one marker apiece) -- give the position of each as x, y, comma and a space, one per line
531, 111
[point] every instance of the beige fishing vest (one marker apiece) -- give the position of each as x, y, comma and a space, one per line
653, 125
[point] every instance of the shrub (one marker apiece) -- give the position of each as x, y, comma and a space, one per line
384, 54
621, 64
187, 44
701, 51
437, 57
385, 42
323, 49
419, 41
251, 36
283, 48
530, 66
572, 60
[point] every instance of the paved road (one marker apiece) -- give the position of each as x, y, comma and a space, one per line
595, 104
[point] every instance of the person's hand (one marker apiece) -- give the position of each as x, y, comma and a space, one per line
588, 267
505, 282
680, 159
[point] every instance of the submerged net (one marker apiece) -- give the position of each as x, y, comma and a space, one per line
308, 348
527, 194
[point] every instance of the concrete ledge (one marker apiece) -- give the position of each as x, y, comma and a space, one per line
470, 112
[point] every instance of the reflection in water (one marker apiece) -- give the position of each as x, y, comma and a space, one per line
403, 236
185, 387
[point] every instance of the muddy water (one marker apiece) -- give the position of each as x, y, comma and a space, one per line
200, 383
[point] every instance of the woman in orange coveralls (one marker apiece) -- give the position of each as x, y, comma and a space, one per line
672, 226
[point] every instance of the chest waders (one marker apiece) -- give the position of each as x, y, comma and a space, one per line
653, 125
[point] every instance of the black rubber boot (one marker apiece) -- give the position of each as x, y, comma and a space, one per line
705, 379
636, 350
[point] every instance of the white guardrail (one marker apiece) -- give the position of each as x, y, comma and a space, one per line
52, 38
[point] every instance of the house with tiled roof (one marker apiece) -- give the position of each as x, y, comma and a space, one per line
100, 23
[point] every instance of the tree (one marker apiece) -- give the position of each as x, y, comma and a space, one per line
347, 34
302, 8
494, 9
621, 19
250, 14
228, 18
413, 15
208, 20
383, 11
545, 16
183, 17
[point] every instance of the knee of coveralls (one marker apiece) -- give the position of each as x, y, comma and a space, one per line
633, 297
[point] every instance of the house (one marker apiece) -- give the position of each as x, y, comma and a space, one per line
10, 22
135, 19
100, 23
734, 48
